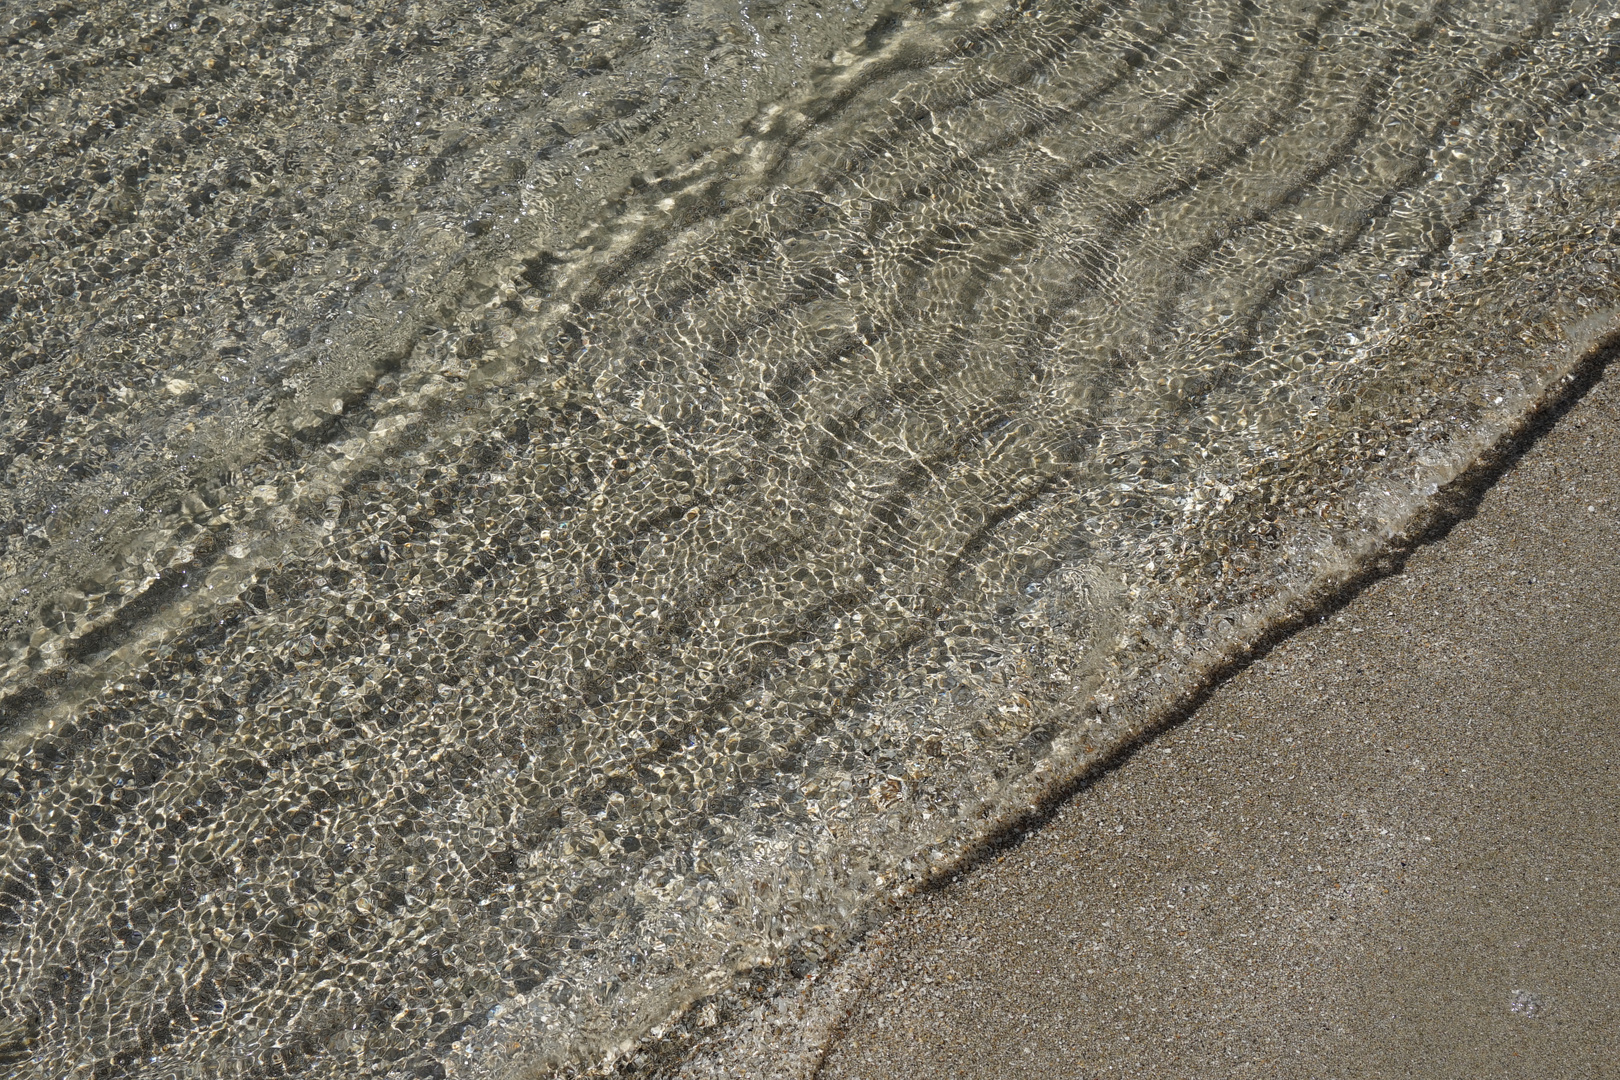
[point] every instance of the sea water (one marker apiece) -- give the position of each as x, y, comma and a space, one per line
514, 514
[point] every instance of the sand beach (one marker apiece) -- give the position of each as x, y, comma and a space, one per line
1386, 848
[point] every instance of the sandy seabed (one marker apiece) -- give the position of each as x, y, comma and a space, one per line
513, 515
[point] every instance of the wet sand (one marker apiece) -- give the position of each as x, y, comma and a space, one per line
1388, 848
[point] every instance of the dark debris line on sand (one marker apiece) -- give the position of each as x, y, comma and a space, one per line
1386, 849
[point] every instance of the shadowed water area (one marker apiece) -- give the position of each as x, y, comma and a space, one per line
513, 514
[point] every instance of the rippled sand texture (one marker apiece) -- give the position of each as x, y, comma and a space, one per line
514, 515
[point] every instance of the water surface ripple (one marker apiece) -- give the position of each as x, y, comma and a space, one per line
515, 514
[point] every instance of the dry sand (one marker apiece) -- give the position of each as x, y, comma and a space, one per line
1391, 847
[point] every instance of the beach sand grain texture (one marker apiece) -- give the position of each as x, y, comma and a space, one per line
1387, 848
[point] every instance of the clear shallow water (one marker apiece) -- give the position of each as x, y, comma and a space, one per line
514, 515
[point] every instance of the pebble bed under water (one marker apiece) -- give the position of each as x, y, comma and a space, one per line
512, 514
